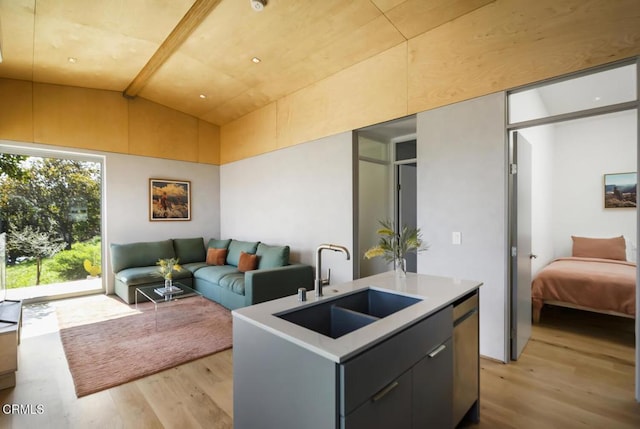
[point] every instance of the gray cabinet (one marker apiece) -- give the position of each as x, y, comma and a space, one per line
389, 408
433, 389
419, 398
407, 379
404, 381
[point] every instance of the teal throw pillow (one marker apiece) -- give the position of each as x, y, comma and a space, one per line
272, 256
237, 246
218, 244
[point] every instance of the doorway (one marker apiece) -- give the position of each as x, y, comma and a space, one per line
406, 186
579, 128
385, 187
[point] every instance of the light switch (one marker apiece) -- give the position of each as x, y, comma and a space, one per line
456, 237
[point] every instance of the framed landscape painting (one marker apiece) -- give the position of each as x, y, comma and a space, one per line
169, 199
620, 190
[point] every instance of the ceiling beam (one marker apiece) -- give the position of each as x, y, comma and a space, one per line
189, 22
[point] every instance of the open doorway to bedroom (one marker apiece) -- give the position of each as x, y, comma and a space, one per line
576, 219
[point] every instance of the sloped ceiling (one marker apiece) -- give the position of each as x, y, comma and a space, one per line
173, 51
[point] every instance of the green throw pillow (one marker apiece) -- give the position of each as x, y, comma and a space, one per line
236, 246
272, 256
218, 244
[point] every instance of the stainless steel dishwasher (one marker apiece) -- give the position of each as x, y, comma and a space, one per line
466, 352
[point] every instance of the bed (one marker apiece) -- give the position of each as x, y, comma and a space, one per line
597, 277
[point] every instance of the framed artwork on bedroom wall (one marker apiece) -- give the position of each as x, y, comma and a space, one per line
620, 190
169, 199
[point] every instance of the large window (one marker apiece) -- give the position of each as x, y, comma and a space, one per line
50, 209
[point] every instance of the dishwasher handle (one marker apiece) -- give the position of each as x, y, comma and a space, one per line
464, 317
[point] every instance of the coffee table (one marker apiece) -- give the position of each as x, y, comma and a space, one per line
149, 292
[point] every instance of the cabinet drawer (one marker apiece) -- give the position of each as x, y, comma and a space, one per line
368, 373
432, 390
392, 408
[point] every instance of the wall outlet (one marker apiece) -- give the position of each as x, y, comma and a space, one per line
456, 237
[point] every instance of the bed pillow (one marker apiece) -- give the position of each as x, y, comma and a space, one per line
603, 248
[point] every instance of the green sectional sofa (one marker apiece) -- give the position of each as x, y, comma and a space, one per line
134, 265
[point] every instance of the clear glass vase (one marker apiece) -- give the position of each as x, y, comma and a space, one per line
400, 267
168, 284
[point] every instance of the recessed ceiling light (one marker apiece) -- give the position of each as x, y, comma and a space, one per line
597, 98
258, 5
72, 60
256, 60
203, 96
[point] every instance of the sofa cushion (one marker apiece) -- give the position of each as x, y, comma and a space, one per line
189, 250
142, 254
213, 273
272, 256
216, 256
147, 275
248, 262
236, 246
234, 282
194, 266
218, 244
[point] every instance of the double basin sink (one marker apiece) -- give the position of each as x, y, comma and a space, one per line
335, 317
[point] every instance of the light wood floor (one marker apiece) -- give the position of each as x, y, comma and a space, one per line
577, 371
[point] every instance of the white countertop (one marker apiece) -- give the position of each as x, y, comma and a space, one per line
435, 292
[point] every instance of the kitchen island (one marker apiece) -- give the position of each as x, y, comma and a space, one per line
372, 352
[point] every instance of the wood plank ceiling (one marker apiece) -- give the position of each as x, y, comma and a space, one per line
172, 51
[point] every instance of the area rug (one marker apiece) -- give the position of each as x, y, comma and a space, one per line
108, 343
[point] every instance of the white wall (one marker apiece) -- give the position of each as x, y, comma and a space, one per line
300, 196
585, 150
127, 200
125, 204
462, 185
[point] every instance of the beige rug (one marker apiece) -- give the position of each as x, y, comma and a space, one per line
108, 343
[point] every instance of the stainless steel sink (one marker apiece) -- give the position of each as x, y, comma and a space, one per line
338, 316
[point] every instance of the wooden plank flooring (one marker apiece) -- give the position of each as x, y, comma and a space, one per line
576, 372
